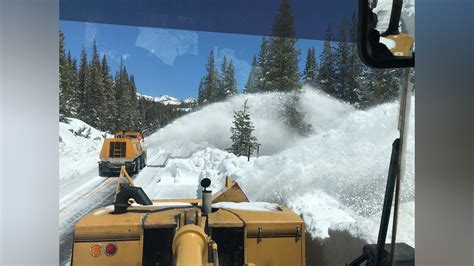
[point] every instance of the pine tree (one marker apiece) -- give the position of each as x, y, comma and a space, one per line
134, 110
292, 117
243, 140
210, 91
253, 79
67, 81
221, 95
326, 67
228, 84
110, 108
83, 83
356, 79
311, 68
201, 92
120, 108
281, 72
122, 97
72, 100
94, 99
62, 77
261, 72
343, 65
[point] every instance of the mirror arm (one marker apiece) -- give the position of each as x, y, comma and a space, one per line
394, 18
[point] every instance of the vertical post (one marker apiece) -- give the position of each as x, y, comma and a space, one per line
248, 156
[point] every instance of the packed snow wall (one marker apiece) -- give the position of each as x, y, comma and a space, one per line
335, 177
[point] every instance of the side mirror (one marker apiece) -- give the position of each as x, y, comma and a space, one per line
381, 43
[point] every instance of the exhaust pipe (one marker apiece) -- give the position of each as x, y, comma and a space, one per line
206, 196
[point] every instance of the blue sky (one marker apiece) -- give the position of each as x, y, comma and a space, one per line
167, 61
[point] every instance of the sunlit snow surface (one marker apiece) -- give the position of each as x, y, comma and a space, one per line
247, 206
335, 178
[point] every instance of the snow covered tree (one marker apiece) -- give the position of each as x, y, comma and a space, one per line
253, 79
311, 68
281, 71
262, 64
326, 66
292, 117
243, 140
385, 85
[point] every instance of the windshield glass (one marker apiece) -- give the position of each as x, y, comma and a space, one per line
270, 93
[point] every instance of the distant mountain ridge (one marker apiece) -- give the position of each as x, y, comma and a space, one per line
166, 99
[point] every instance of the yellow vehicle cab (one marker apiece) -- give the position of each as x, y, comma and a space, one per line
121, 151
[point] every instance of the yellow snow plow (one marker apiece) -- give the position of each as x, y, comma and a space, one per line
118, 152
217, 229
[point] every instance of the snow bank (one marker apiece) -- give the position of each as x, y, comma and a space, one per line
79, 148
335, 178
78, 153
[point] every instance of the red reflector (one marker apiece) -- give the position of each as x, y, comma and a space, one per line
110, 249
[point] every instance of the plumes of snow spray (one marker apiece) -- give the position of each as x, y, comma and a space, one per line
210, 126
335, 177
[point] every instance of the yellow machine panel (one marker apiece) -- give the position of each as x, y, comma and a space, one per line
127, 253
181, 232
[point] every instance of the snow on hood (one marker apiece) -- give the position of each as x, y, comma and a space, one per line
247, 206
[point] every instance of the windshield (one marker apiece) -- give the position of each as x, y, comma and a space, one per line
270, 93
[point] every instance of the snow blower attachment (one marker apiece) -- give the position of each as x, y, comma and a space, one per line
220, 229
